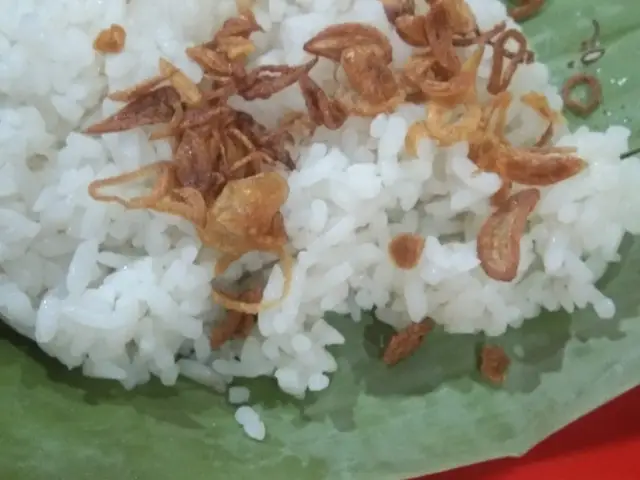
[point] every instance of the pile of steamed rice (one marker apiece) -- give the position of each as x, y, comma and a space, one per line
121, 293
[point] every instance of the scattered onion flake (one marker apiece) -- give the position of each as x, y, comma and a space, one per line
406, 249
540, 104
162, 184
286, 263
189, 92
498, 245
594, 94
526, 9
397, 8
592, 55
224, 175
235, 324
494, 364
501, 76
407, 341
110, 40
221, 177
592, 51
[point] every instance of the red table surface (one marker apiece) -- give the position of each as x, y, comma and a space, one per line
602, 445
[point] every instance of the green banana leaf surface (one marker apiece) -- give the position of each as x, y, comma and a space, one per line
428, 414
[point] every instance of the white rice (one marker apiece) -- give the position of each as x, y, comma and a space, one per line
238, 395
121, 293
251, 423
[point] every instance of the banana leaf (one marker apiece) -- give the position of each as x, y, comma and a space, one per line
428, 414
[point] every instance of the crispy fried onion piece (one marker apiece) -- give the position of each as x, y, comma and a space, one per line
540, 104
526, 9
131, 93
186, 88
405, 250
501, 76
443, 123
494, 116
297, 124
267, 80
443, 126
368, 74
479, 38
444, 130
397, 8
246, 217
211, 61
147, 108
412, 30
439, 34
539, 166
110, 40
242, 25
333, 40
594, 97
235, 324
187, 203
353, 104
437, 30
461, 17
247, 207
322, 110
230, 303
502, 195
460, 87
498, 244
164, 182
165, 197
407, 341
226, 329
417, 69
494, 364
484, 143
536, 166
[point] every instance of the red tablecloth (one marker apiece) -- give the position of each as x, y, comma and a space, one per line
604, 444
